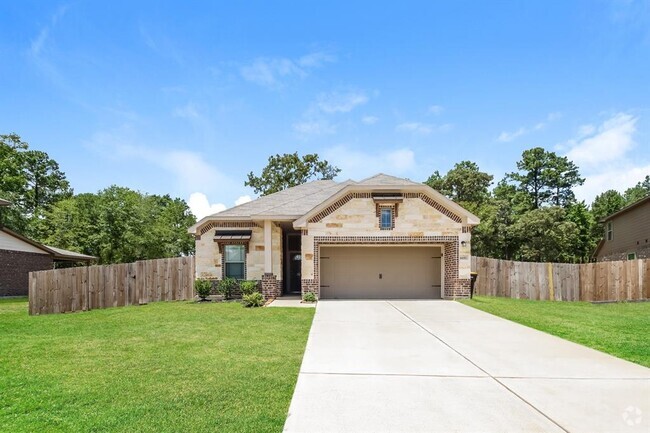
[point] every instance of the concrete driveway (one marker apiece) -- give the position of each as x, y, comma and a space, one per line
440, 366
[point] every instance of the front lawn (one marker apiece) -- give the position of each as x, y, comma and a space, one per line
620, 329
163, 367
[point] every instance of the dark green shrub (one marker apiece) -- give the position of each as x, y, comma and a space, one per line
254, 299
309, 297
227, 286
202, 288
248, 287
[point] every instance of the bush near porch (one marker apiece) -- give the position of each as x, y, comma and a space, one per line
620, 329
163, 367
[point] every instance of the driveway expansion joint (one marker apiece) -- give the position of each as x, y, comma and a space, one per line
479, 367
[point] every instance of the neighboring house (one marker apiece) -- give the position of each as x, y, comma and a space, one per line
383, 237
627, 233
19, 256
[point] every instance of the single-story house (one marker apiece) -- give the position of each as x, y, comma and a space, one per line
382, 237
20, 255
627, 233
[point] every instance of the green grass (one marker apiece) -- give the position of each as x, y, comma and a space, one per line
620, 329
163, 367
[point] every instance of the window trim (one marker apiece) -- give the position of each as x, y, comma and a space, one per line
391, 222
224, 264
609, 232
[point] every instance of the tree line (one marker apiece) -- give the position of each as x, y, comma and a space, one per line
116, 224
532, 213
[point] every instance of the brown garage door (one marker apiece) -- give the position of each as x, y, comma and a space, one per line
411, 272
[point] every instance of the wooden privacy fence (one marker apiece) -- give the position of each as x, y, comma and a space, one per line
91, 287
627, 280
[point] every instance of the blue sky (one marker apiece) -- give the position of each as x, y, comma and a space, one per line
187, 97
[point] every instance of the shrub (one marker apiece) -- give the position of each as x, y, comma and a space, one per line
254, 299
309, 297
203, 288
248, 287
227, 287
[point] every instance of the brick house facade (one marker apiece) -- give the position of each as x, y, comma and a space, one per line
285, 234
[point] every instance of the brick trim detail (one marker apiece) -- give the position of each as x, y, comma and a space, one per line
224, 224
454, 287
343, 200
337, 204
440, 208
270, 286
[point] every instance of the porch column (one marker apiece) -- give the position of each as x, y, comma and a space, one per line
268, 247
269, 280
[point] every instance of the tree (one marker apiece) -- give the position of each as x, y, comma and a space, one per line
546, 177
546, 235
464, 184
119, 225
285, 171
585, 242
607, 203
31, 180
637, 192
563, 176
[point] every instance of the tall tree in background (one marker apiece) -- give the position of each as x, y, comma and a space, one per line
563, 175
285, 171
637, 192
465, 184
547, 177
533, 176
31, 180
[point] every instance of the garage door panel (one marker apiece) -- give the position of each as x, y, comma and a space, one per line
380, 272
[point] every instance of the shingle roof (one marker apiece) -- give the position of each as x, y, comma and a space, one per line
384, 179
294, 201
60, 253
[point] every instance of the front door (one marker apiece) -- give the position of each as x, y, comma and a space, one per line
295, 260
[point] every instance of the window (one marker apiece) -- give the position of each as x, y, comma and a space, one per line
386, 218
235, 261
610, 231
631, 256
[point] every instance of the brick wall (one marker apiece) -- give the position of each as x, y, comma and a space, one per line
15, 267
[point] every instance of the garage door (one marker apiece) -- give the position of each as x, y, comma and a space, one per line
380, 272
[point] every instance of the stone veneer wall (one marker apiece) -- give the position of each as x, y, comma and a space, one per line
209, 263
418, 221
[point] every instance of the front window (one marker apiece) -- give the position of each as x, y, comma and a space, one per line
386, 219
631, 256
235, 261
610, 231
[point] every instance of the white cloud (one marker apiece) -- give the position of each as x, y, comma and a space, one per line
423, 128
243, 199
358, 164
618, 176
271, 71
39, 42
314, 127
188, 111
602, 154
369, 120
436, 109
335, 102
201, 207
416, 127
610, 141
507, 136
